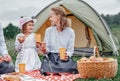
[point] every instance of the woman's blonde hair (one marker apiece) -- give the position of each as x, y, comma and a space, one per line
64, 21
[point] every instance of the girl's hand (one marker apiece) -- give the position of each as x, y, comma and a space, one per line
21, 39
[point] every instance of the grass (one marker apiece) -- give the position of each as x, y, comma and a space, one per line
116, 32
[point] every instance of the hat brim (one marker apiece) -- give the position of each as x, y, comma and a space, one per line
34, 21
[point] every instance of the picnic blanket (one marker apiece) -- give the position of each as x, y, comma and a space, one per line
69, 77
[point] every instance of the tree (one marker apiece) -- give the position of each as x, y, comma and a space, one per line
11, 31
112, 20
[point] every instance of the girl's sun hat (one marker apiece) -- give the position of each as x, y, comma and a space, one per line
24, 20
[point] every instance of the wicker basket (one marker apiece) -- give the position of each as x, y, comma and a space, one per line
97, 69
105, 69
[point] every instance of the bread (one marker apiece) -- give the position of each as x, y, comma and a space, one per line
12, 78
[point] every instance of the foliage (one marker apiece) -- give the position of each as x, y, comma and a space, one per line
11, 48
112, 20
116, 33
11, 31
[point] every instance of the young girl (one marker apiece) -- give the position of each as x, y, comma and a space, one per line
25, 44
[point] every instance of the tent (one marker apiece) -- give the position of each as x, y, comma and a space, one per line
90, 29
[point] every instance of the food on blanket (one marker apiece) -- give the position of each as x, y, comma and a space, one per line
84, 59
22, 67
62, 53
21, 39
14, 73
12, 78
38, 38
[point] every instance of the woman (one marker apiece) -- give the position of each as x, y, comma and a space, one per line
59, 35
25, 44
6, 64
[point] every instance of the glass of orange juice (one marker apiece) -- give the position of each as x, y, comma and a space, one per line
38, 37
22, 67
62, 53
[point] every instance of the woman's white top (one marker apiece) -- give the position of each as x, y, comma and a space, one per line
55, 40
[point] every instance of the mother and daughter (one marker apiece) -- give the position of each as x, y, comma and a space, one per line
58, 35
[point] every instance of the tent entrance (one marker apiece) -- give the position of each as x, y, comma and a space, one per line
84, 37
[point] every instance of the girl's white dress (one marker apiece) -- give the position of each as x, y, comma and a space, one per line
27, 53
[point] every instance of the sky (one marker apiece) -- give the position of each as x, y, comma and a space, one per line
12, 10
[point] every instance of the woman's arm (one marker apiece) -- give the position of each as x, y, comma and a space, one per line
70, 46
47, 40
3, 47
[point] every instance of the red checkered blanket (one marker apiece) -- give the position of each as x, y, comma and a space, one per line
69, 77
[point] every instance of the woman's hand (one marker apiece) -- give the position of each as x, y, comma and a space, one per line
43, 50
66, 57
43, 47
7, 58
38, 45
1, 60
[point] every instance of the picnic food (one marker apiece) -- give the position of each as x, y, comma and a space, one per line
95, 59
21, 39
110, 59
12, 78
92, 58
